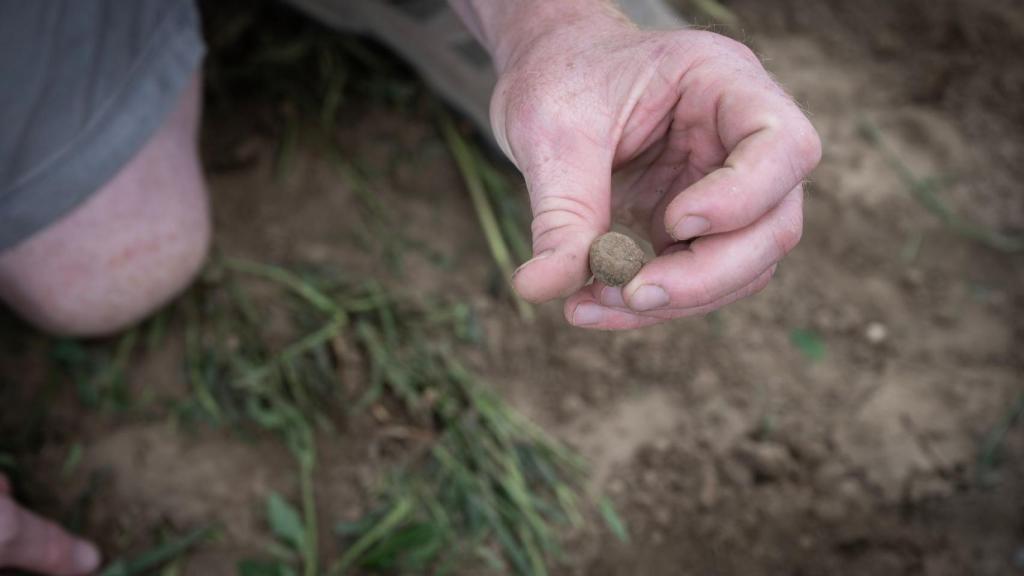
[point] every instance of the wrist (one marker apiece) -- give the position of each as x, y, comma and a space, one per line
521, 24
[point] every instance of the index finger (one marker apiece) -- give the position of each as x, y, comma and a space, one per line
771, 148
714, 266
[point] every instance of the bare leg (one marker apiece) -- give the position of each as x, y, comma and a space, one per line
128, 249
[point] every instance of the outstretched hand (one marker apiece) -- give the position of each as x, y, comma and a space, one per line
683, 134
38, 545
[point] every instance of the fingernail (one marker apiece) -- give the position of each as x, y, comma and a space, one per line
612, 296
648, 297
85, 557
536, 258
587, 314
690, 227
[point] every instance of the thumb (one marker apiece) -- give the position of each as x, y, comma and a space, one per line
570, 195
38, 545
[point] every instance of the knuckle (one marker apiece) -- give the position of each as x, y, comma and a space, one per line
786, 236
723, 44
808, 148
734, 49
773, 120
537, 125
687, 40
743, 51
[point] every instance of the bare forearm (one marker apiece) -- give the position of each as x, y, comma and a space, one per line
505, 26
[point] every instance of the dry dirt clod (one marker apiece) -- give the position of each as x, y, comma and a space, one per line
615, 259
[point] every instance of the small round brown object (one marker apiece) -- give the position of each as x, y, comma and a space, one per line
615, 259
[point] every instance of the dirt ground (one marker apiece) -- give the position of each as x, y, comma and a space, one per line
727, 447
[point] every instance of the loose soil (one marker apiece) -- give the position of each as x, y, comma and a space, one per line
728, 445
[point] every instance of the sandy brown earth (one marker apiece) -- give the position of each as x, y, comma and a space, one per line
727, 448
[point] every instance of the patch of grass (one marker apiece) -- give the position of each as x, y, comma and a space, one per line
238, 377
381, 232
98, 371
491, 481
291, 71
485, 483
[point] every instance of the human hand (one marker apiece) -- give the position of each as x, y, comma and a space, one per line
37, 545
682, 133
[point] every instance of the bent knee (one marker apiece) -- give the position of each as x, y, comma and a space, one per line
114, 260
97, 293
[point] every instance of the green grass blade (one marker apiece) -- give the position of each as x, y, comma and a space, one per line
809, 343
467, 165
398, 514
148, 561
288, 279
286, 522
924, 190
612, 519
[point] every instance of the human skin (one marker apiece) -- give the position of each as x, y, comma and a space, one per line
32, 543
682, 133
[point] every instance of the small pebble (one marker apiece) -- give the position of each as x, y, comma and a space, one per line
876, 333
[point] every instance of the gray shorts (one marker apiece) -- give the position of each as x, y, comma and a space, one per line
83, 85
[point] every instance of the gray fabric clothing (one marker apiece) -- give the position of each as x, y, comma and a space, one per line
83, 85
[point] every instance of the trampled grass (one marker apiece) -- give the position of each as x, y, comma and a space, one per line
489, 486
